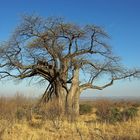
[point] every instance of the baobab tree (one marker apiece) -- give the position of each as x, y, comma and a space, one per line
69, 57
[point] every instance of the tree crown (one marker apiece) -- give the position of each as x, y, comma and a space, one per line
52, 48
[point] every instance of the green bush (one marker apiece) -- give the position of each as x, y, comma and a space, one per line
85, 108
113, 114
129, 113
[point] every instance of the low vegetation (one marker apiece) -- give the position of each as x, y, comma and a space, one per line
21, 119
112, 112
85, 109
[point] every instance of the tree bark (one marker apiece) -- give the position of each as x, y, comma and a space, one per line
60, 96
72, 98
72, 105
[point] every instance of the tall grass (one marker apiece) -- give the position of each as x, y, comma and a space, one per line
21, 119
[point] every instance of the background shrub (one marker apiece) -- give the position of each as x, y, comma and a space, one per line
85, 108
111, 114
103, 111
114, 115
129, 113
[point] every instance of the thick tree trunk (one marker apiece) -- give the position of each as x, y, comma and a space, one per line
67, 99
60, 96
72, 105
76, 104
56, 93
72, 98
68, 103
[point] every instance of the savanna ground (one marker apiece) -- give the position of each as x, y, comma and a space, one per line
100, 119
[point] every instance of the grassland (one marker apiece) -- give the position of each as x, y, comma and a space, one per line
21, 120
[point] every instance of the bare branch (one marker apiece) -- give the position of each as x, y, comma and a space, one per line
58, 52
123, 76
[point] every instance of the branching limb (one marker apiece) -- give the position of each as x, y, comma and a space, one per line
134, 74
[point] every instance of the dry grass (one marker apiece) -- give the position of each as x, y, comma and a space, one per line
39, 124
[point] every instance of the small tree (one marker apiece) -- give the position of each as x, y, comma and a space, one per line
70, 57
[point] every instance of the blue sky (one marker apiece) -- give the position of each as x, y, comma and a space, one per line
120, 18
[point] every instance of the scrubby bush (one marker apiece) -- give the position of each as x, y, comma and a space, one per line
103, 109
110, 115
129, 113
51, 111
7, 109
114, 114
85, 108
14, 108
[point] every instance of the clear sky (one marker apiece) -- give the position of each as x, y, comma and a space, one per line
120, 18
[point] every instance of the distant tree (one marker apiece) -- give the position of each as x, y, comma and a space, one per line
69, 57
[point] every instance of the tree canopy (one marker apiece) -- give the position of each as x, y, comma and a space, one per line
64, 54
